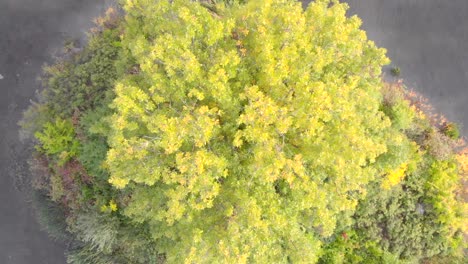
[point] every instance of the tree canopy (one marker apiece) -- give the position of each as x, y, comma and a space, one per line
247, 131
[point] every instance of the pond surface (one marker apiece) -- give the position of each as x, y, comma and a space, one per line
30, 32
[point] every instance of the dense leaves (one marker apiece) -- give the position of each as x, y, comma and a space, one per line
81, 83
227, 105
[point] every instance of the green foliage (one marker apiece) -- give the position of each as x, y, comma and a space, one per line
98, 230
348, 248
81, 82
396, 107
351, 247
57, 190
34, 119
451, 130
441, 189
86, 253
460, 259
92, 154
395, 71
58, 139
105, 238
401, 114
407, 220
93, 148
136, 252
50, 216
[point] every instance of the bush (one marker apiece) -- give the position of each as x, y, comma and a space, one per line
451, 130
395, 71
410, 220
58, 139
50, 216
397, 107
438, 145
86, 253
442, 188
34, 119
93, 148
97, 230
401, 115
81, 82
103, 236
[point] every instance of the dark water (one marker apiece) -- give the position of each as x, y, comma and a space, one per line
30, 31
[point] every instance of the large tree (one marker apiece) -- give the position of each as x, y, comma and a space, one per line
245, 132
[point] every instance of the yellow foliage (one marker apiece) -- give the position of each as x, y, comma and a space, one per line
462, 159
112, 205
104, 208
249, 112
118, 182
394, 177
